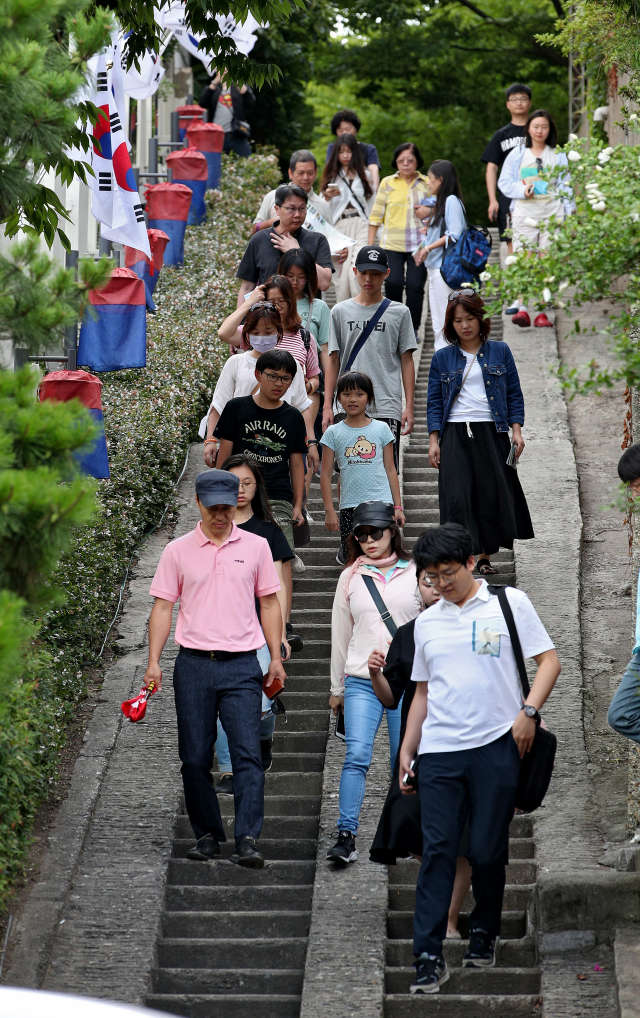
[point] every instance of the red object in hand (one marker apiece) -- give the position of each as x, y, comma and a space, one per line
136, 708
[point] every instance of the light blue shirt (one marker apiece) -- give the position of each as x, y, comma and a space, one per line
359, 457
455, 224
402, 563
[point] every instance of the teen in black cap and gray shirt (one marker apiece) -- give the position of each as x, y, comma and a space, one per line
386, 356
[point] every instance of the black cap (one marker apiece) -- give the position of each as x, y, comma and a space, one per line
217, 487
373, 514
373, 257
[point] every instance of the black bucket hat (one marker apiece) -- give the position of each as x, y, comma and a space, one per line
373, 514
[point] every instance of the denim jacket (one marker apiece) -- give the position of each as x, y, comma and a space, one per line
501, 383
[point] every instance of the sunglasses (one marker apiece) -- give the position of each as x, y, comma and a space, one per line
459, 293
375, 533
265, 304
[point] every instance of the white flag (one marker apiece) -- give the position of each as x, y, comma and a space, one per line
174, 19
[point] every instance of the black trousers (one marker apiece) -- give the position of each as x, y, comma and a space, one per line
240, 146
480, 784
406, 275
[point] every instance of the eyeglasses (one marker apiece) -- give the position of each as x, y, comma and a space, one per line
296, 279
247, 485
436, 579
284, 303
285, 379
294, 208
375, 533
518, 99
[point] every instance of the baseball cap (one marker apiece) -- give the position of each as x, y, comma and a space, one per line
217, 487
374, 258
373, 514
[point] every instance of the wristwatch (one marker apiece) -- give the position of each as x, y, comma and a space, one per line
531, 711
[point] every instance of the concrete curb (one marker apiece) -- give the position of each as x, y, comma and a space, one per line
627, 956
94, 914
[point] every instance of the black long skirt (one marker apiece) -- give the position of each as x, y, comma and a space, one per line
477, 489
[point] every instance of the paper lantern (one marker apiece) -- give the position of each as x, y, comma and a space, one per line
208, 139
168, 210
148, 269
62, 386
190, 168
113, 335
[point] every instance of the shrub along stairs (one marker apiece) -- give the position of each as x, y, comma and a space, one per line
512, 988
233, 941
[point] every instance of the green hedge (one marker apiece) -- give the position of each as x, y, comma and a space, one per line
151, 415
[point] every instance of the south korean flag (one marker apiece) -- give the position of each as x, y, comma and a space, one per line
102, 184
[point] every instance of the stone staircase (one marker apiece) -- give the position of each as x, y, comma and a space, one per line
512, 988
233, 942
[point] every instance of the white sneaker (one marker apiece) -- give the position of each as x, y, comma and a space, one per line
297, 566
513, 308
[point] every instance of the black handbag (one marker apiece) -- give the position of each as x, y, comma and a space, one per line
536, 767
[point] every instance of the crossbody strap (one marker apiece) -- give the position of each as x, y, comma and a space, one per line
385, 614
366, 332
309, 313
354, 195
501, 593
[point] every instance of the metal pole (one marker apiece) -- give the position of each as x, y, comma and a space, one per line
136, 176
175, 128
71, 331
153, 155
104, 247
169, 175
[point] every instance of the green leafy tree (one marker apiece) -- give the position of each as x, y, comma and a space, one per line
39, 119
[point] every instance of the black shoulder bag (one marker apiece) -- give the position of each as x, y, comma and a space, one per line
537, 766
366, 332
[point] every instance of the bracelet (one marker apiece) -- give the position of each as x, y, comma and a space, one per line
399, 507
207, 440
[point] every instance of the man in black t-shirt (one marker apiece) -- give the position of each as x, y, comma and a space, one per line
265, 249
508, 137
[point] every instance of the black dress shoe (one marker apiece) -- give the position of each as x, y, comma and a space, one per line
247, 854
225, 785
204, 849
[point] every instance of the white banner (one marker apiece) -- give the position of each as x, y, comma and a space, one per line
316, 222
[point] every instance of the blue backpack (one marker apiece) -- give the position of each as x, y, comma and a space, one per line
466, 259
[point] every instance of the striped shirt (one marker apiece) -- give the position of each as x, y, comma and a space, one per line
393, 209
294, 343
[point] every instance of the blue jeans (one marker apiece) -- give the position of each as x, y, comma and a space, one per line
362, 717
624, 712
203, 689
480, 783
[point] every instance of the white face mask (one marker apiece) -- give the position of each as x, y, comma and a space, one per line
263, 343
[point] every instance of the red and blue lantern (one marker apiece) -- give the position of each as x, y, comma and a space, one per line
168, 210
190, 167
148, 269
188, 114
208, 139
62, 386
114, 328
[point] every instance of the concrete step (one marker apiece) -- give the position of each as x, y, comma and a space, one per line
278, 848
183, 872
239, 899
472, 981
306, 666
400, 924
299, 742
194, 981
518, 953
519, 871
271, 923
227, 1005
289, 827
279, 805
272, 953
516, 897
452, 1005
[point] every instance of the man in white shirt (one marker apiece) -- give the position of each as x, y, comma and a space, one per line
469, 743
303, 170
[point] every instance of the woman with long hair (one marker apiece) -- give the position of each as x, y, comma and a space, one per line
534, 200
254, 515
377, 555
346, 185
295, 338
394, 210
446, 223
474, 397
298, 266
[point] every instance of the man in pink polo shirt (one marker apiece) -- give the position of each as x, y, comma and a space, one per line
217, 571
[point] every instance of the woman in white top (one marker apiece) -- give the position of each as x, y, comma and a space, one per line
346, 185
474, 397
377, 552
535, 201
262, 330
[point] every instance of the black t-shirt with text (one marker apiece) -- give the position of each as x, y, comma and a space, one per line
261, 258
508, 137
268, 436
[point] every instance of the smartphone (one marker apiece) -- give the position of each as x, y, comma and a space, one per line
339, 729
408, 781
512, 459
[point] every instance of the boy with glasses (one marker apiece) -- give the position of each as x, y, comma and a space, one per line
469, 743
272, 433
265, 249
510, 136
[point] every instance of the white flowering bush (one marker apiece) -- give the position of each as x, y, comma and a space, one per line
151, 415
594, 255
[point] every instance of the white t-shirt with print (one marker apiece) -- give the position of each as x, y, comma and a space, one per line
472, 403
539, 206
465, 655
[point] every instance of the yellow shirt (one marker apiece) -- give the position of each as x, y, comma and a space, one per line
393, 209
